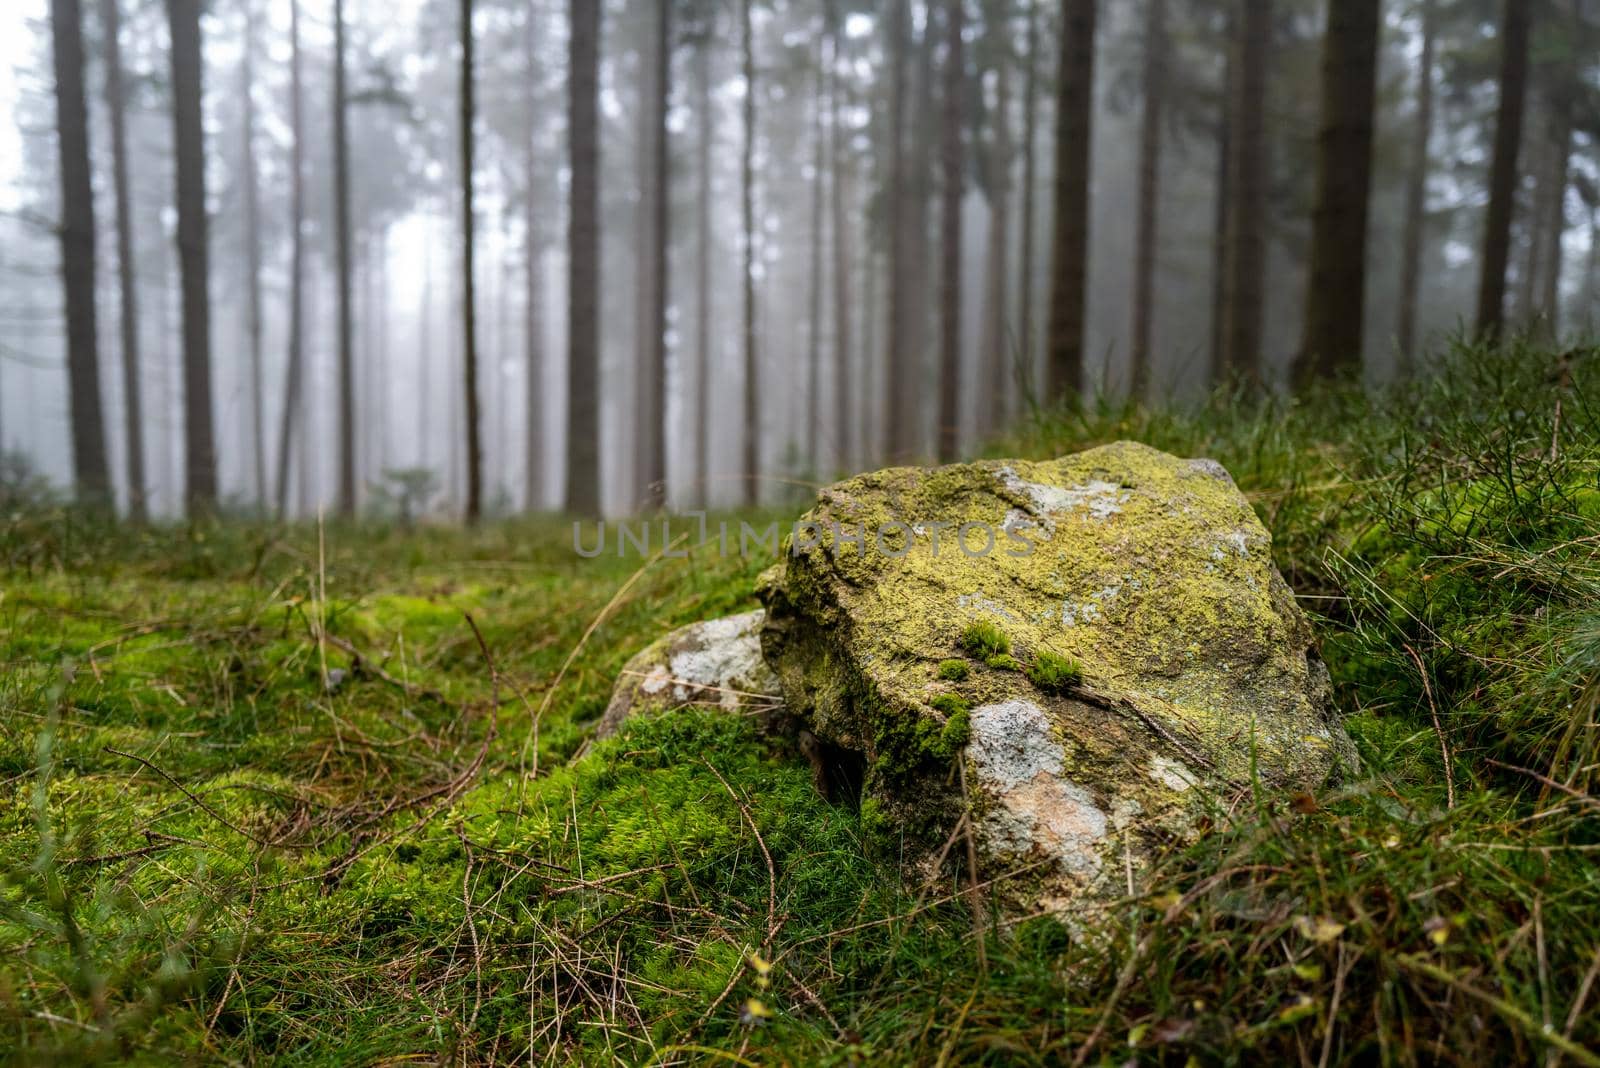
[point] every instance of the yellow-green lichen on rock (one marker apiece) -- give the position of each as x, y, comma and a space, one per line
1179, 661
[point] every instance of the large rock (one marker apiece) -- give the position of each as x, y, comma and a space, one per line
716, 664
1183, 664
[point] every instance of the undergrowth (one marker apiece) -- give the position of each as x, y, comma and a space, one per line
268, 795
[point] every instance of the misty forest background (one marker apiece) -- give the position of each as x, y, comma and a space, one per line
482, 256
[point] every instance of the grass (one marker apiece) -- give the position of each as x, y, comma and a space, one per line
1053, 672
985, 640
212, 851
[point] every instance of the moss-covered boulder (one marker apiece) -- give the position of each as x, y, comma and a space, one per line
1127, 648
716, 663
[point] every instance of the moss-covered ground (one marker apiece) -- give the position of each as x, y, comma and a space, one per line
301, 796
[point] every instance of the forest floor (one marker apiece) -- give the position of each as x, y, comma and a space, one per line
206, 854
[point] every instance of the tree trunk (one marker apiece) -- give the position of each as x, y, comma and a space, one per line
953, 158
996, 377
652, 382
702, 270
1503, 168
1246, 236
343, 254
843, 292
469, 299
292, 390
814, 297
899, 397
1555, 223
752, 407
189, 146
111, 26
1335, 301
1222, 202
1144, 256
583, 352
252, 240
1025, 257
533, 297
1416, 197
91, 475
1070, 267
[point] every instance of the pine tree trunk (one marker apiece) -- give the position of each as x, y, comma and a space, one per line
1416, 197
1555, 224
252, 240
183, 17
1144, 257
1025, 257
1223, 203
1070, 267
814, 296
953, 159
1247, 205
533, 296
1503, 168
652, 382
997, 377
293, 389
702, 271
469, 298
844, 291
91, 476
343, 254
111, 27
899, 397
1335, 301
752, 407
583, 351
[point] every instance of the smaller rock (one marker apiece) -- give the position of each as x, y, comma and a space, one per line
715, 663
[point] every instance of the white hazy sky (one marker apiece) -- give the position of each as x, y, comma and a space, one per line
15, 41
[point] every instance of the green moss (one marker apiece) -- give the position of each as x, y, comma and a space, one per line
1053, 672
953, 670
1004, 662
950, 704
984, 639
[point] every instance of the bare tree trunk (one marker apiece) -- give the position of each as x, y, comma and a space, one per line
702, 268
469, 299
252, 240
814, 300
1144, 256
1025, 259
183, 17
583, 350
652, 383
91, 476
111, 26
1223, 201
923, 134
1074, 130
843, 292
1336, 298
1416, 197
1246, 238
1555, 223
533, 297
293, 389
343, 253
900, 416
995, 378
1503, 168
954, 166
752, 364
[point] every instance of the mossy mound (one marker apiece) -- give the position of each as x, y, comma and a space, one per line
1195, 669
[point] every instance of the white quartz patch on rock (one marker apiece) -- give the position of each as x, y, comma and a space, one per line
1030, 804
717, 662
